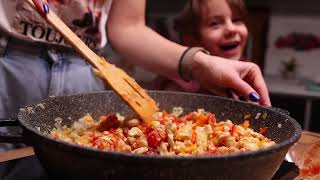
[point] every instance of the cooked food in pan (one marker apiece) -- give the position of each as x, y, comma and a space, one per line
196, 133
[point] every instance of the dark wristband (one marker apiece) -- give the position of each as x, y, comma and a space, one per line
185, 67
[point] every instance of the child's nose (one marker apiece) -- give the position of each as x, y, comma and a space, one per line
230, 28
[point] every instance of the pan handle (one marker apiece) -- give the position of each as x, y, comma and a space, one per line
9, 137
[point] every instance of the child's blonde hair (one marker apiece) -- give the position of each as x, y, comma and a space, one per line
188, 22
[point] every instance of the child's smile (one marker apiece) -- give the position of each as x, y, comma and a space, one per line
230, 49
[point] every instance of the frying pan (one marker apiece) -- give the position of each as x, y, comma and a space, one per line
67, 161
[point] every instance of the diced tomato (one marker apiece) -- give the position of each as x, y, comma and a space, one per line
177, 120
142, 128
95, 142
164, 114
107, 122
190, 116
101, 146
162, 121
163, 135
112, 130
211, 118
145, 128
125, 131
210, 152
194, 137
153, 140
233, 130
155, 137
94, 138
263, 131
151, 151
215, 133
148, 129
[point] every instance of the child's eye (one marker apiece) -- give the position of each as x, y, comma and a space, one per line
238, 21
215, 23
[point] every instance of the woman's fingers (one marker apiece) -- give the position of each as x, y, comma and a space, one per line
42, 6
219, 75
251, 85
255, 79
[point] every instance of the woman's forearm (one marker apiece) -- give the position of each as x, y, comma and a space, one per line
136, 42
132, 39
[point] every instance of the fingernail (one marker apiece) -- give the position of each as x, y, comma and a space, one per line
242, 98
45, 8
254, 97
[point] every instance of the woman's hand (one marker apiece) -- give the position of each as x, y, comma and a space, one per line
221, 75
42, 6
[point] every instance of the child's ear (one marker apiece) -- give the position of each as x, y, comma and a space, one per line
190, 41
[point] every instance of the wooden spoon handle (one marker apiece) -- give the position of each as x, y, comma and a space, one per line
124, 85
72, 39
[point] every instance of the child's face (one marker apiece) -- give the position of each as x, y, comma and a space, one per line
222, 31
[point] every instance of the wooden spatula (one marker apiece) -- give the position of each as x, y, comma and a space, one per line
125, 86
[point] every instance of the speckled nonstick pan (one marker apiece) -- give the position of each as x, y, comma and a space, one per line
67, 161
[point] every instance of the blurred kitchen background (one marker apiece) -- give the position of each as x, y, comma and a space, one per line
284, 41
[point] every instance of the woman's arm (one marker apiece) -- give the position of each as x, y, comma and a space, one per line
131, 38
141, 45
136, 42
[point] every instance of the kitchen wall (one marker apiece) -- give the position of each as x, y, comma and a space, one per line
303, 108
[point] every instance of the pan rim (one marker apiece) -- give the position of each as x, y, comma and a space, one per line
96, 152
